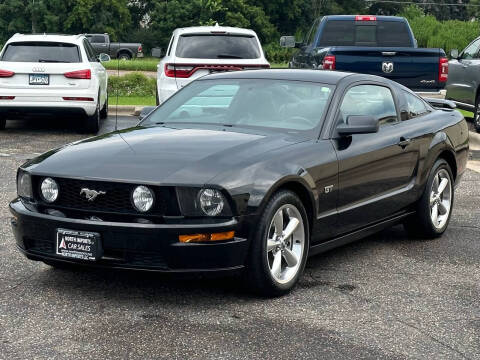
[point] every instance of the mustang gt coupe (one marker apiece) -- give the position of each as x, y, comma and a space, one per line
246, 172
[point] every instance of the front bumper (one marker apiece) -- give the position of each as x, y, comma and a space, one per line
153, 247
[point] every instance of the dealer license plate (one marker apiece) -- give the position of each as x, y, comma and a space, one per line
39, 79
79, 245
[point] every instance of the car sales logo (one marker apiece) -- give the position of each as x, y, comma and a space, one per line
91, 195
387, 67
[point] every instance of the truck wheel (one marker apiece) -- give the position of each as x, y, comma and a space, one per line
92, 123
434, 209
279, 246
124, 56
104, 111
476, 114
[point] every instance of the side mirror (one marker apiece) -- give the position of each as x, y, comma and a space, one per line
104, 57
145, 112
287, 41
358, 124
454, 54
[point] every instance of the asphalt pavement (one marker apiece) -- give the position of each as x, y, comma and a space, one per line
384, 297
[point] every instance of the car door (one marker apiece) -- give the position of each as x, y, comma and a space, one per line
375, 170
97, 70
463, 74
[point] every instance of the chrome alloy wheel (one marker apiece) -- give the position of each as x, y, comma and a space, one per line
285, 243
440, 199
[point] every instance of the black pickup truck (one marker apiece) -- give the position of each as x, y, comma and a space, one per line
124, 51
378, 45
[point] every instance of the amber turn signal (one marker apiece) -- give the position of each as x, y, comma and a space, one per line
206, 237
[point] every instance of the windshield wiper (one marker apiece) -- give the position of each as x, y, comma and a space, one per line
228, 56
52, 61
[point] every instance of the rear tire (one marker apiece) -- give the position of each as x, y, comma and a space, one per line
434, 209
476, 114
124, 56
277, 262
92, 123
3, 123
104, 111
157, 100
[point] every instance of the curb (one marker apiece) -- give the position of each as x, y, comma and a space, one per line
132, 110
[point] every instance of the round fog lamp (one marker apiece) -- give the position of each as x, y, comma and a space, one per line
211, 201
49, 189
142, 198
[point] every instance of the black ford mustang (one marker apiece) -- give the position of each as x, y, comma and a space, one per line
248, 171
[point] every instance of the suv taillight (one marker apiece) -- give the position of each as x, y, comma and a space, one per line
443, 69
181, 71
79, 74
6, 73
329, 62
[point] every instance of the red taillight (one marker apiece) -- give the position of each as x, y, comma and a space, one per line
7, 97
179, 71
365, 18
329, 62
443, 69
140, 49
187, 70
6, 73
79, 74
78, 98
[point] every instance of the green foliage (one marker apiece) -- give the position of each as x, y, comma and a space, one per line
276, 54
133, 84
132, 100
145, 64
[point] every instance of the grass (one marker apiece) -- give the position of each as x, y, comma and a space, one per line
132, 100
278, 65
141, 64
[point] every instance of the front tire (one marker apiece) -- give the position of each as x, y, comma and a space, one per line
157, 100
434, 209
104, 111
279, 246
476, 114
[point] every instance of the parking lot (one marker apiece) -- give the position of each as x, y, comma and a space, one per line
383, 297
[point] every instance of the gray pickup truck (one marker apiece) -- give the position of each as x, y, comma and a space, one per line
123, 51
463, 86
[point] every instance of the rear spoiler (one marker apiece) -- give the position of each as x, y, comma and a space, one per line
441, 104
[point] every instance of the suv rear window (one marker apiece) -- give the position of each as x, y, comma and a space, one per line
217, 47
47, 52
365, 33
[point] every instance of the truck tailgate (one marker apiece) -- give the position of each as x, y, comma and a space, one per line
415, 68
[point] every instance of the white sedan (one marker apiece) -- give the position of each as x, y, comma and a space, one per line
53, 74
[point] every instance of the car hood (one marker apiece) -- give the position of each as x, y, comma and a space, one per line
157, 155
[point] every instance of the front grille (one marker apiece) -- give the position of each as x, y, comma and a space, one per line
117, 197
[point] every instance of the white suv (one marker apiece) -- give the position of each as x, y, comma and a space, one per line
52, 74
196, 51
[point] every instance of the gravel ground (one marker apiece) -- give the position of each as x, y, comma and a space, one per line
385, 297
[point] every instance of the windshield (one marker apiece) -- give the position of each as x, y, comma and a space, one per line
48, 52
276, 104
365, 33
217, 47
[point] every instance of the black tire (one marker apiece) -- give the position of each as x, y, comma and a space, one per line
3, 123
124, 56
476, 114
258, 276
92, 123
421, 224
157, 100
104, 111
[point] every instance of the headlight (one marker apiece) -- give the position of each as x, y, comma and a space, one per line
24, 184
142, 198
49, 190
211, 201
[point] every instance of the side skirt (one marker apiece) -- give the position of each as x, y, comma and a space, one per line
357, 235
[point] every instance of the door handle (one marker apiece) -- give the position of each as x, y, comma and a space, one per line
403, 143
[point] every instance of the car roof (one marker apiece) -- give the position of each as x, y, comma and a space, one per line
213, 29
320, 76
352, 17
74, 39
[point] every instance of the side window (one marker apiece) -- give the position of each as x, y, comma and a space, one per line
415, 106
372, 100
170, 46
98, 39
89, 50
471, 51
